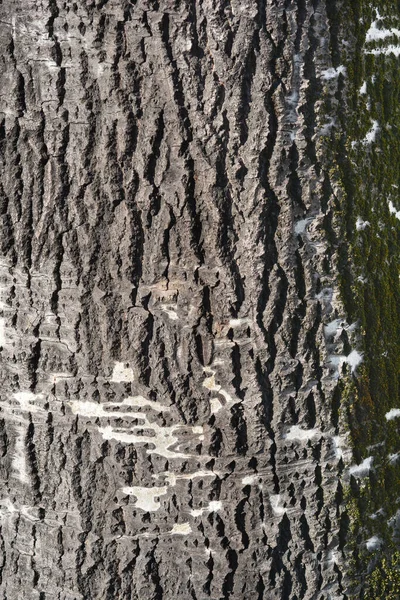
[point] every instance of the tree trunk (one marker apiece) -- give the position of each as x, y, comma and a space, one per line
168, 419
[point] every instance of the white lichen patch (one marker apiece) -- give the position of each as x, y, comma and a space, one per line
169, 309
19, 457
115, 410
28, 402
3, 340
94, 410
215, 405
249, 479
148, 499
210, 384
141, 402
160, 439
122, 373
213, 506
56, 377
238, 322
7, 508
181, 529
172, 478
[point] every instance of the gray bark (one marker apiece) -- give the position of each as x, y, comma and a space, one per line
167, 429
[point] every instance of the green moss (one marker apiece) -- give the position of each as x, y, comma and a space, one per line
384, 580
366, 177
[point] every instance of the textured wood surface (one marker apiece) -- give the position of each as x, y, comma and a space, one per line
168, 422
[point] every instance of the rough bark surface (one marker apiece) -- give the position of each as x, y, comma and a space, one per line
167, 429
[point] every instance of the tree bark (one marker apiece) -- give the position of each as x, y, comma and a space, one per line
168, 420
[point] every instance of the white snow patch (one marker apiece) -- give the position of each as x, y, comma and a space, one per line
362, 469
327, 127
338, 441
332, 557
275, 501
332, 73
354, 359
392, 414
393, 210
333, 327
378, 513
372, 133
146, 498
325, 295
122, 373
374, 543
391, 49
300, 226
296, 433
363, 88
395, 520
376, 33
361, 225
337, 360
393, 458
181, 529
